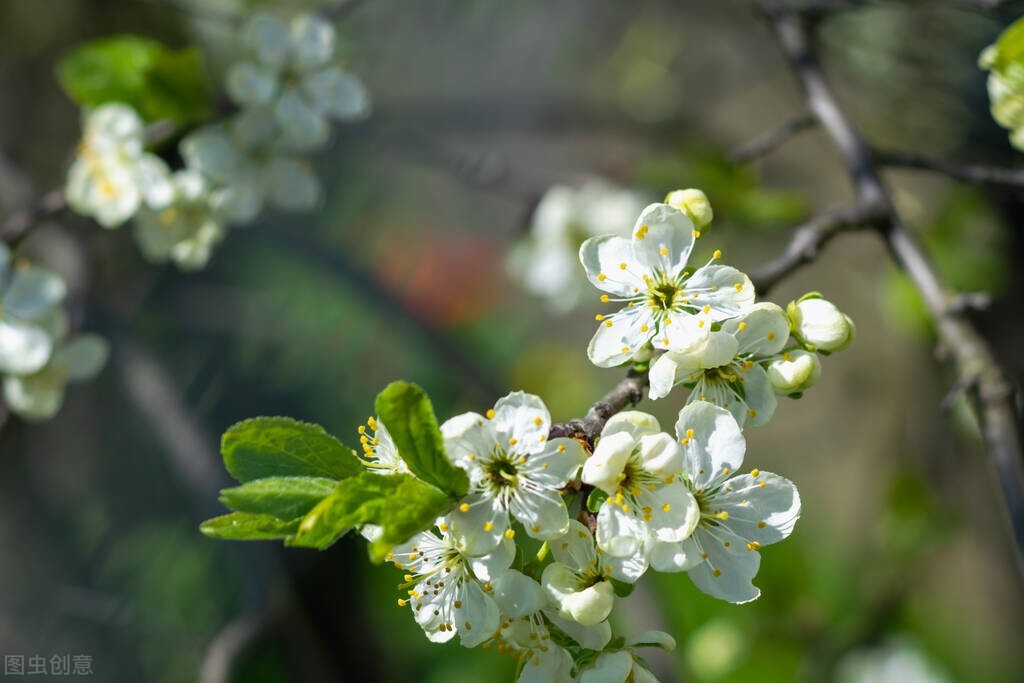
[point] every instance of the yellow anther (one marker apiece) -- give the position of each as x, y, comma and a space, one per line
717, 572
726, 544
510, 533
488, 526
690, 433
738, 286
604, 298
706, 309
704, 555
696, 234
725, 470
490, 414
741, 326
752, 413
373, 423
601, 277
753, 545
622, 266
666, 507
402, 603
754, 472
663, 251
625, 349
513, 441
664, 340
443, 527
561, 449
761, 484
684, 441
598, 317
786, 356
770, 336
723, 515
761, 525
700, 323
464, 507
537, 421
625, 508
362, 429
607, 323
458, 604
535, 528
644, 328
717, 254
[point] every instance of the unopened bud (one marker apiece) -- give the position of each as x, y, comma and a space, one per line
795, 372
819, 325
590, 606
694, 204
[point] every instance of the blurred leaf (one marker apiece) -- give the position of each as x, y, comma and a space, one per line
282, 497
1009, 46
281, 447
399, 504
408, 415
241, 526
158, 82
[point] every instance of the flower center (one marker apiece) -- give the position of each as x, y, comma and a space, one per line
663, 292
502, 473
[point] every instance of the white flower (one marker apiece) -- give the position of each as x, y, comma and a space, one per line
29, 296
112, 176
624, 665
545, 261
725, 368
896, 661
246, 170
290, 75
795, 372
637, 467
694, 204
39, 395
444, 587
513, 469
819, 325
380, 453
738, 513
185, 230
579, 580
665, 304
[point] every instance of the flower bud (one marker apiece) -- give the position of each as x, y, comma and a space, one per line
694, 204
819, 325
603, 467
795, 372
590, 606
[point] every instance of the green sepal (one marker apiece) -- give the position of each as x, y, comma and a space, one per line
282, 447
281, 497
242, 526
409, 416
622, 589
596, 499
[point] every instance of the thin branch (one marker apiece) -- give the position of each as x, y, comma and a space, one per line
764, 145
971, 173
626, 393
808, 240
991, 394
20, 222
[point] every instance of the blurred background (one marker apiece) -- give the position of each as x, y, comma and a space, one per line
902, 560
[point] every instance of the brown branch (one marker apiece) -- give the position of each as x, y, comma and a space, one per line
626, 393
991, 395
767, 143
972, 173
808, 240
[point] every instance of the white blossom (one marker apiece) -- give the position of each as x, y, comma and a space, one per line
380, 454
794, 372
739, 513
637, 467
725, 367
513, 470
819, 325
625, 665
186, 229
29, 298
665, 304
694, 204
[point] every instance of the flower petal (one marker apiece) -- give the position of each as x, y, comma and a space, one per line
729, 566
675, 557
495, 563
24, 348
478, 524
542, 512
620, 335
312, 41
476, 615
716, 445
726, 290
303, 126
663, 373
759, 396
660, 454
556, 464
517, 595
603, 468
609, 667
619, 533
36, 397
83, 356
762, 508
33, 291
250, 84
337, 93
632, 422
522, 422
627, 569
575, 548
293, 185
610, 266
559, 582
762, 331
268, 37
662, 239
591, 637
672, 511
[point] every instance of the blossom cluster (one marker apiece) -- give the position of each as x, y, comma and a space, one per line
286, 87
38, 354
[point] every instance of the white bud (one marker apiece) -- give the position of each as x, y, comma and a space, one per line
694, 204
796, 371
589, 606
603, 467
818, 324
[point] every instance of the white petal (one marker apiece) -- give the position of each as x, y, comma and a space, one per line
660, 454
632, 422
480, 528
575, 549
268, 37
303, 126
618, 533
293, 185
517, 595
663, 239
83, 356
609, 667
675, 557
658, 639
762, 331
620, 335
24, 348
477, 617
591, 637
560, 581
494, 564
589, 606
603, 259
758, 395
674, 512
36, 397
716, 286
211, 151
312, 41
251, 85
716, 445
764, 508
253, 128
556, 464
551, 666
604, 467
628, 568
683, 333
522, 422
455, 427
32, 292
730, 565
542, 512
469, 442
337, 93
153, 178
663, 376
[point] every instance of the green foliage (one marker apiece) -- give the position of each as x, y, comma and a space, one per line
408, 415
1009, 48
400, 504
241, 526
281, 447
158, 82
281, 497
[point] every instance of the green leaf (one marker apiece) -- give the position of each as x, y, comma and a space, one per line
158, 82
408, 415
399, 504
241, 526
282, 497
281, 447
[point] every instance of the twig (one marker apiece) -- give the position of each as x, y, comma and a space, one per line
809, 239
992, 396
20, 222
972, 173
772, 140
626, 393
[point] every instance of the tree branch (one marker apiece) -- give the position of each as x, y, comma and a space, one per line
972, 173
628, 392
808, 240
767, 143
20, 222
991, 395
